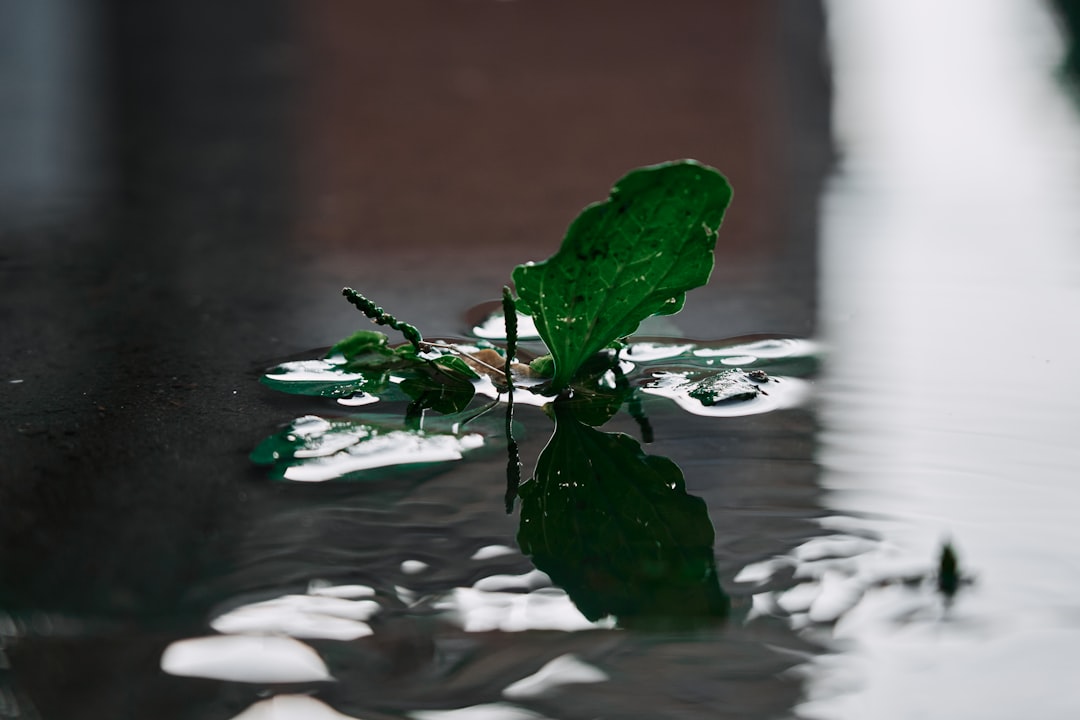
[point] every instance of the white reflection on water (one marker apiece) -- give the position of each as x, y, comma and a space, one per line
563, 670
245, 658
515, 603
488, 711
492, 551
338, 449
772, 348
951, 261
301, 616
258, 645
485, 611
494, 327
292, 707
313, 371
779, 393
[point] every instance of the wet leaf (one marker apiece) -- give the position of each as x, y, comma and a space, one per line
599, 390
321, 378
363, 363
443, 383
617, 530
363, 350
456, 366
723, 386
623, 260
315, 449
444, 393
543, 366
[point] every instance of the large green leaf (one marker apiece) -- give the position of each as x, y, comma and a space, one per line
625, 259
617, 530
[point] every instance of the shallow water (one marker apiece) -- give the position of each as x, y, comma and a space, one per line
951, 275
944, 411
463, 620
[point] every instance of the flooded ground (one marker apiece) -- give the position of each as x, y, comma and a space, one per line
925, 291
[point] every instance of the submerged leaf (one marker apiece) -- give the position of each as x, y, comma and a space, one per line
315, 449
599, 390
625, 259
725, 386
445, 394
617, 530
322, 378
365, 363
443, 384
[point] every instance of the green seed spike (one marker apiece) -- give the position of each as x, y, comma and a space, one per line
381, 317
510, 319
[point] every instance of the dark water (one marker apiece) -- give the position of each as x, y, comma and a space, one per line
238, 165
441, 611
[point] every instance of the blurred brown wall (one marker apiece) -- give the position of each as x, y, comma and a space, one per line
431, 127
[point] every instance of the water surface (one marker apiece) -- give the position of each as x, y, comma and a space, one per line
149, 570
951, 276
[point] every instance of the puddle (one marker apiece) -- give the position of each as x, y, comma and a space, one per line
928, 440
749, 527
609, 549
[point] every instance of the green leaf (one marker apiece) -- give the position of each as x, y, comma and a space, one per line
724, 386
321, 378
442, 392
617, 530
315, 449
599, 390
456, 366
625, 259
363, 362
443, 384
543, 366
364, 347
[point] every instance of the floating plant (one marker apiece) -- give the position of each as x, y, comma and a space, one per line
628, 258
623, 260
610, 523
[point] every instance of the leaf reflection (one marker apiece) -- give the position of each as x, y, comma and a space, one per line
617, 530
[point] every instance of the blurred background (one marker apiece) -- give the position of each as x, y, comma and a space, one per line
185, 187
